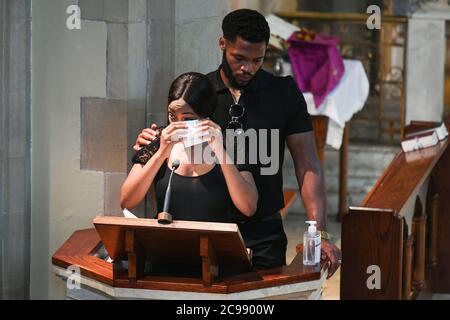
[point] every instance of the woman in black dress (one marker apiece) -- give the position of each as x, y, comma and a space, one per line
201, 190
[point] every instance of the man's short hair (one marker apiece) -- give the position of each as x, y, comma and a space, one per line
248, 24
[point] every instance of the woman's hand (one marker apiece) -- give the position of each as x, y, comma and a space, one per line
241, 185
169, 136
213, 134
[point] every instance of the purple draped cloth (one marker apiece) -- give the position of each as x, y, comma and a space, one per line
317, 65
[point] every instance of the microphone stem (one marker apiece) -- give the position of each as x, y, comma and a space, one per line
168, 193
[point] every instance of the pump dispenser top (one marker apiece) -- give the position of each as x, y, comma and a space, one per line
312, 226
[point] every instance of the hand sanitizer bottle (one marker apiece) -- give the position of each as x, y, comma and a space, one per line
311, 245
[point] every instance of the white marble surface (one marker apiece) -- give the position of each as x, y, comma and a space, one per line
94, 290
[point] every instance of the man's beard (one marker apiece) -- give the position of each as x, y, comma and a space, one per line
229, 74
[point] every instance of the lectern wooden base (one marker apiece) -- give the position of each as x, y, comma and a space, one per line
92, 289
97, 281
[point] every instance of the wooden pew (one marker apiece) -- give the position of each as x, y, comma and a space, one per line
401, 231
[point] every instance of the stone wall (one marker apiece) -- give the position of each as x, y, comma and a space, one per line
14, 149
94, 90
149, 43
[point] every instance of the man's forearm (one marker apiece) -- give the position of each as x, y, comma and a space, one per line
312, 190
309, 176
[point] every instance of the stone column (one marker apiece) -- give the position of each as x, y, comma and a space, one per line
149, 43
182, 36
425, 67
126, 94
93, 90
14, 149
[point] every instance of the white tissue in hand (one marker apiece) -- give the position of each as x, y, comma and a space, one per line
179, 135
193, 136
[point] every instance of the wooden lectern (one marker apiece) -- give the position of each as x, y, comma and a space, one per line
192, 248
183, 260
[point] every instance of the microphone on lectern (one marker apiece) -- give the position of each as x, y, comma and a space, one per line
165, 217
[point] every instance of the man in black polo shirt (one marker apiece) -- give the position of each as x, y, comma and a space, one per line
251, 98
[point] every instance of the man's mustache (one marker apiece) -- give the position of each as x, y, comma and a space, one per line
246, 74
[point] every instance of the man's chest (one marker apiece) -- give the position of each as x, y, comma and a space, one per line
261, 111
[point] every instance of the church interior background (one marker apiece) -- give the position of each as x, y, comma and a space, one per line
73, 101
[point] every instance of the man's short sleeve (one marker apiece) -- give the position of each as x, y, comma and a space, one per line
298, 118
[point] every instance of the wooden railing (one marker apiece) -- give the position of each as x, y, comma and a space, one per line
396, 245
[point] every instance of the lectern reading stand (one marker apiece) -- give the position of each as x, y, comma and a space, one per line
174, 248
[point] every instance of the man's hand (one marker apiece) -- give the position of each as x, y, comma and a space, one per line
145, 137
312, 189
332, 254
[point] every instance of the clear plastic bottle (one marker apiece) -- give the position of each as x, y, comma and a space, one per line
311, 245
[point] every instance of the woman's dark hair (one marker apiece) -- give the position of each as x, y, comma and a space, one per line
197, 90
248, 24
